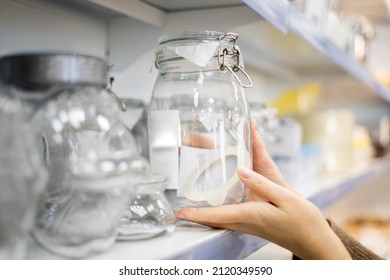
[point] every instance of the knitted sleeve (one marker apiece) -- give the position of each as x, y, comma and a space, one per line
354, 248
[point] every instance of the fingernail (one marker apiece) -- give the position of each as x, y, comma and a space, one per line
254, 126
254, 123
244, 172
180, 216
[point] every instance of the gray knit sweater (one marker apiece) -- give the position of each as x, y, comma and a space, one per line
355, 249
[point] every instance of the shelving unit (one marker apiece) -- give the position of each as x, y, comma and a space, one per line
190, 241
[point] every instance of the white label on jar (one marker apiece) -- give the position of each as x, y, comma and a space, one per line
164, 139
209, 174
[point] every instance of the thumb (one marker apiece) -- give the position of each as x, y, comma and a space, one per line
262, 186
262, 162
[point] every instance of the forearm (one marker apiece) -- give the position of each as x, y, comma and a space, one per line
355, 249
321, 244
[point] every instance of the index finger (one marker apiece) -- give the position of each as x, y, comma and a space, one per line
262, 186
216, 217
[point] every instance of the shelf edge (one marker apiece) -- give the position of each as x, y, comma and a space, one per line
135, 9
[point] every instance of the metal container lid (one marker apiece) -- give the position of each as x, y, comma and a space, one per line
41, 71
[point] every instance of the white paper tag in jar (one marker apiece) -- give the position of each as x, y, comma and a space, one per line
207, 174
199, 54
164, 140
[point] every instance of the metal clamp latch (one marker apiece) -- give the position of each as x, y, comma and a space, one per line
119, 102
224, 52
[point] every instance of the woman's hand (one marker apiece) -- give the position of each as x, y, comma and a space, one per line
262, 162
273, 212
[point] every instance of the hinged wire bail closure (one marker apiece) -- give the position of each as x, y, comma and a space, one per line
223, 52
119, 102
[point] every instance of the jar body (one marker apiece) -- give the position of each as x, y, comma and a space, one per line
199, 127
135, 118
282, 137
88, 152
332, 131
22, 177
79, 223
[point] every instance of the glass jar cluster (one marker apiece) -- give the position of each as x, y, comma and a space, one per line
78, 140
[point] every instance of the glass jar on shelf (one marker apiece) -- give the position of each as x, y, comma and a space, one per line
148, 213
266, 120
88, 151
282, 138
199, 126
22, 176
135, 118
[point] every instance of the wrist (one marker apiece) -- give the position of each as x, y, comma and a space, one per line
323, 246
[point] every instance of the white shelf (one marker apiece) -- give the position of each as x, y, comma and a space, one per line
154, 12
327, 190
188, 241
192, 241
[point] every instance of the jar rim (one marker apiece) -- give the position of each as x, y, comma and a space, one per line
153, 179
152, 182
190, 35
